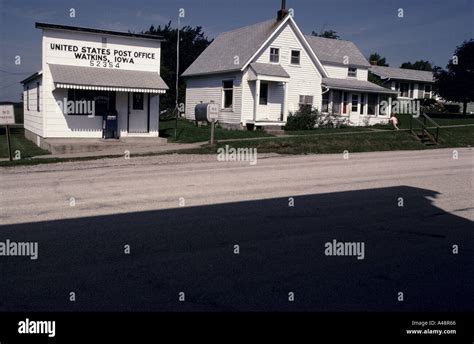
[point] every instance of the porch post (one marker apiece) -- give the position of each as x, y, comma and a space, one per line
389, 110
256, 100
285, 105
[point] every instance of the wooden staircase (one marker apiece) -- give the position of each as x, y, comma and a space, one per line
426, 138
428, 135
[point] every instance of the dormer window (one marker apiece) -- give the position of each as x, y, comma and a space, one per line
274, 55
352, 72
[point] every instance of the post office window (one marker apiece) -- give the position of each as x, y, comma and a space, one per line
138, 101
295, 57
274, 55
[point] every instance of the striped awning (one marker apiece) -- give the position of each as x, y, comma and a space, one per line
106, 79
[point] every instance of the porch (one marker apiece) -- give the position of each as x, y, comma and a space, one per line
269, 85
360, 102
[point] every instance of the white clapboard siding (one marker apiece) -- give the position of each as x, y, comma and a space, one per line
56, 124
362, 74
305, 79
336, 71
341, 72
32, 118
207, 89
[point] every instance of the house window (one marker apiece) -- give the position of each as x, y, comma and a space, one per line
352, 72
355, 102
263, 93
362, 103
28, 98
325, 102
344, 103
385, 110
371, 104
38, 96
412, 88
427, 91
295, 57
336, 102
228, 93
306, 100
137, 101
274, 55
403, 89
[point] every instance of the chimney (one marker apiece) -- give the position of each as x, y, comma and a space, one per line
283, 11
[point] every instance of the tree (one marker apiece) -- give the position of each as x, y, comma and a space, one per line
326, 34
418, 65
192, 44
377, 60
456, 83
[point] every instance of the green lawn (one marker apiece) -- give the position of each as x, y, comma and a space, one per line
444, 121
188, 132
302, 144
26, 148
360, 142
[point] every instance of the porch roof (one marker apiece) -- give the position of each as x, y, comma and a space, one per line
355, 85
104, 79
269, 69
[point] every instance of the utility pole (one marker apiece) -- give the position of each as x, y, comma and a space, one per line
177, 79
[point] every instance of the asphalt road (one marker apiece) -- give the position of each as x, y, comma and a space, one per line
183, 215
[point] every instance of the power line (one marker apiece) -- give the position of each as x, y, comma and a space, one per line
4, 71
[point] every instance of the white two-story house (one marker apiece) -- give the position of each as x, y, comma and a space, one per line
259, 74
409, 83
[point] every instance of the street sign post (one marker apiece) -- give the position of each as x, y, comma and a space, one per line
7, 117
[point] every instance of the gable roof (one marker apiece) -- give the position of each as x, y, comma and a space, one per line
269, 69
244, 43
402, 74
334, 50
220, 56
32, 77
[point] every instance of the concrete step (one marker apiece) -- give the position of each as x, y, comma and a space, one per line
78, 145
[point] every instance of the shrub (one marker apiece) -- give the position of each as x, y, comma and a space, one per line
431, 105
331, 120
304, 119
452, 108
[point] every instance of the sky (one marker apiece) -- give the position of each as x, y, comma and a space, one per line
429, 29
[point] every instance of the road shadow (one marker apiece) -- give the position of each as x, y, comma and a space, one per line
408, 249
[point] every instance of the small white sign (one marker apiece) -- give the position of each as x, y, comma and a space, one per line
7, 115
213, 112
